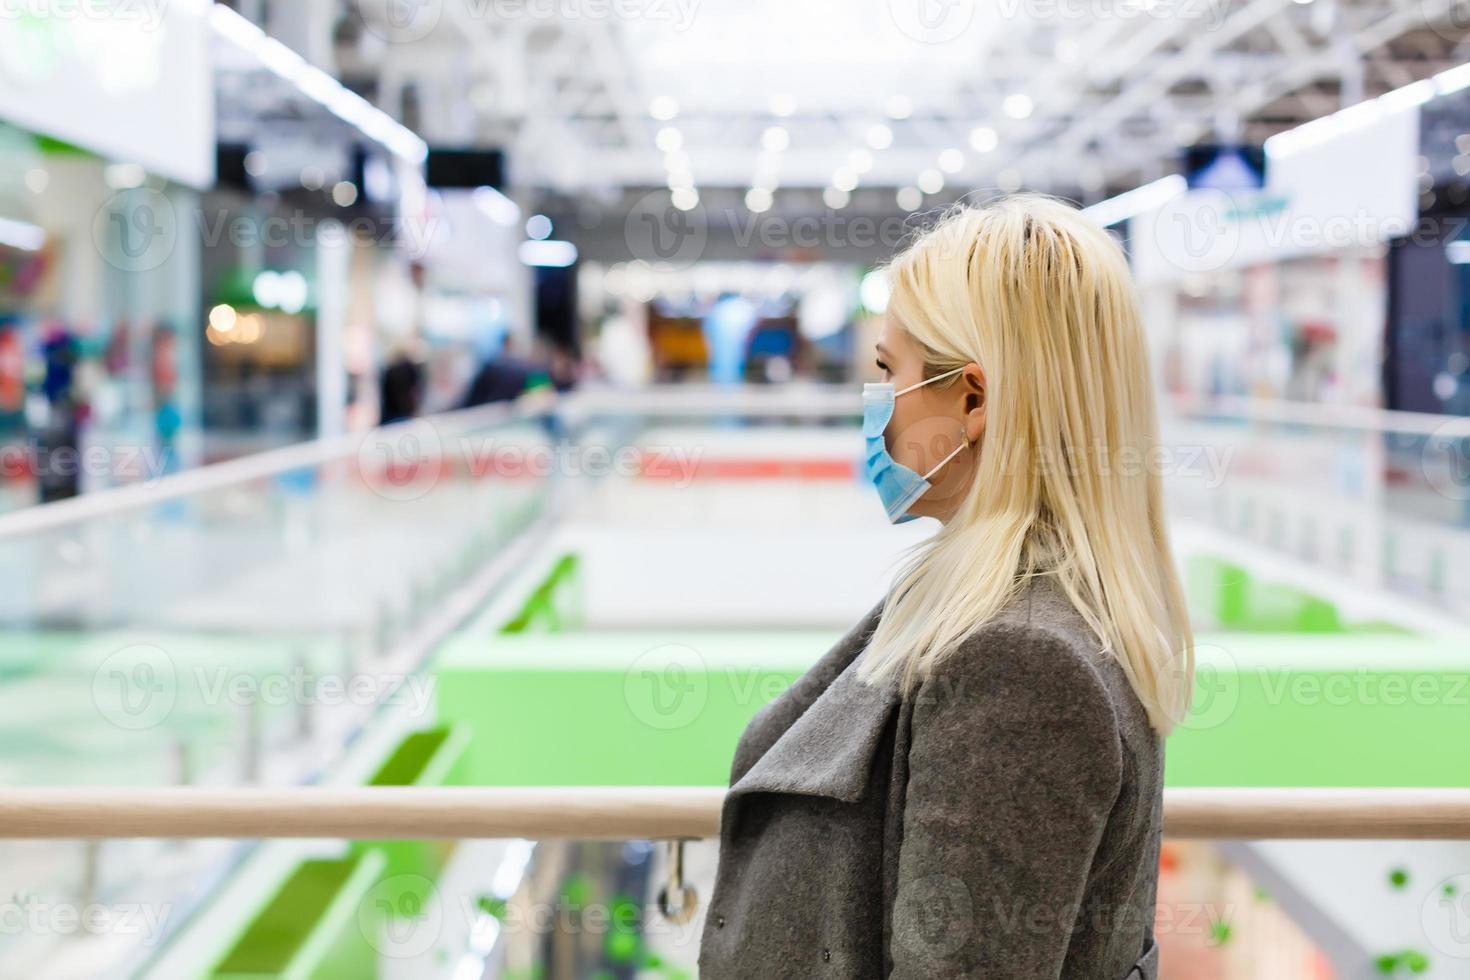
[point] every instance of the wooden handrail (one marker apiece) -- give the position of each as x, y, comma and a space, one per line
646, 813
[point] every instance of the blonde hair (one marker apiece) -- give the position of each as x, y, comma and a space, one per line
1041, 299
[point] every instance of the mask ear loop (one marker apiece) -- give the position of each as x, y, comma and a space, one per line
964, 444
920, 384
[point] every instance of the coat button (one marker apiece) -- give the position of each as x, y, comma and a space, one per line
826, 956
719, 922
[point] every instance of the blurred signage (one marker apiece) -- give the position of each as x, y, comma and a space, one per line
1355, 187
1225, 167
127, 79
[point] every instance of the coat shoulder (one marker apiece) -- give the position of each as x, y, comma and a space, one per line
1040, 638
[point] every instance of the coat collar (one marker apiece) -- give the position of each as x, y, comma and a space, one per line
828, 749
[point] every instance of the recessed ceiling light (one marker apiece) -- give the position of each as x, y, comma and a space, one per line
759, 199
983, 139
1018, 105
775, 139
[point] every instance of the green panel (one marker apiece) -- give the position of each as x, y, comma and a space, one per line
1217, 590
310, 930
667, 709
614, 708
555, 605
1281, 608
1301, 710
1226, 595
423, 758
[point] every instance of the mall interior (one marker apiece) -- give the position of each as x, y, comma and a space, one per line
445, 396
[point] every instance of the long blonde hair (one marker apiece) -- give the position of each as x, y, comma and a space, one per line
1066, 483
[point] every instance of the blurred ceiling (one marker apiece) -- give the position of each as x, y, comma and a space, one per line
1079, 97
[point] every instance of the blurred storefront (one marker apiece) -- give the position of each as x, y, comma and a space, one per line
109, 138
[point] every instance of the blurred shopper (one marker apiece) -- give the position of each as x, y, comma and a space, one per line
563, 368
727, 329
57, 440
501, 378
970, 783
401, 386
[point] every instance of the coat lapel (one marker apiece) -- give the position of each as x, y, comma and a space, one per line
827, 750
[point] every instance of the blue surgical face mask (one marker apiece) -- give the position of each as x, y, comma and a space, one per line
898, 486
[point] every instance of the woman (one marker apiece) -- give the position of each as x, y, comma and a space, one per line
969, 784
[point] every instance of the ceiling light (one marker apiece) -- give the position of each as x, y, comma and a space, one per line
783, 105
931, 181
1137, 201
880, 137
951, 161
669, 139
983, 139
776, 139
836, 198
663, 108
317, 84
759, 200
899, 107
1018, 106
685, 198
860, 161
555, 255
845, 179
910, 198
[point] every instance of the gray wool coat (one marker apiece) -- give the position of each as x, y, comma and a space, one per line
1001, 823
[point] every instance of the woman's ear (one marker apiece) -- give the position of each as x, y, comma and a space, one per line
973, 387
